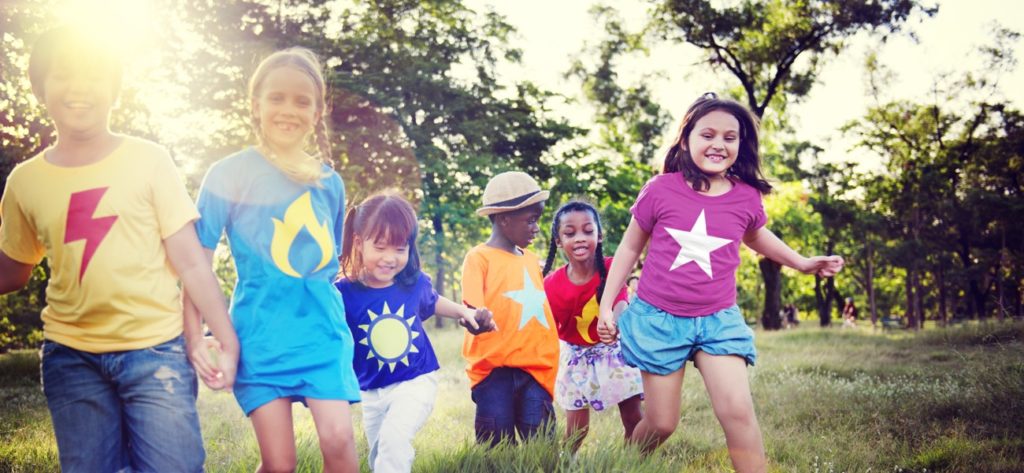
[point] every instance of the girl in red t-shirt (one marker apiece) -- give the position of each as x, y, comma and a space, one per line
591, 374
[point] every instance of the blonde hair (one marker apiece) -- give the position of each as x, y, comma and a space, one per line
306, 171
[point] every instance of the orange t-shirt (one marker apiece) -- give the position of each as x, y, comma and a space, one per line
512, 288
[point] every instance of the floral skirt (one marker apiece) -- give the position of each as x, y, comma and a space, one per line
595, 376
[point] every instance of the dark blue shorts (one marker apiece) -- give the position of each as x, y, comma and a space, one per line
661, 343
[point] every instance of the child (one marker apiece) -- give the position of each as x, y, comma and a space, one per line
282, 211
113, 219
590, 373
707, 199
511, 370
386, 299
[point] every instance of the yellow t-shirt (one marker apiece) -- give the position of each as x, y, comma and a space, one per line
512, 288
102, 227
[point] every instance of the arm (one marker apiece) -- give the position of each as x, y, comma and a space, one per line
198, 346
202, 292
633, 243
766, 243
14, 274
475, 320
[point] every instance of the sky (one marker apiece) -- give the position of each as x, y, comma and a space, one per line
553, 32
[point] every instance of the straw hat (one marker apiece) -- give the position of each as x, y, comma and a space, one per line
510, 191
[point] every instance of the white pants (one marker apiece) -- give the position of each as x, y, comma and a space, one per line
391, 417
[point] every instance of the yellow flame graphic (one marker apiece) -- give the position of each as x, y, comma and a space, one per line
583, 320
298, 215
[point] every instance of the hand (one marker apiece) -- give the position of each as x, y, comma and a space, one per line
607, 329
478, 321
215, 366
824, 266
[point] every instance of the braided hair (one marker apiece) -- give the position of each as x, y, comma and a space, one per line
577, 205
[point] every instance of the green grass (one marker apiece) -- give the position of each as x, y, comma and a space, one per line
829, 400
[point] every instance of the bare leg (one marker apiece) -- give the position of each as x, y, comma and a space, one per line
631, 414
663, 403
334, 428
725, 378
577, 424
275, 435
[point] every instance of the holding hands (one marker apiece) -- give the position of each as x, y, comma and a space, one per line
607, 330
478, 321
214, 364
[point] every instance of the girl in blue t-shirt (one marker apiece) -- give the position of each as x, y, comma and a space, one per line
387, 298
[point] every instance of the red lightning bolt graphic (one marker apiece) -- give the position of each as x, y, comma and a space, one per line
82, 226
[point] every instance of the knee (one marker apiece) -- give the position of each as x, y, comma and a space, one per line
337, 441
663, 427
737, 414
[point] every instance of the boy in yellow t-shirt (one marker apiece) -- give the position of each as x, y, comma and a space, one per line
115, 223
512, 369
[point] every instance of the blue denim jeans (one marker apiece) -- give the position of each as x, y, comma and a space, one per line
507, 401
123, 411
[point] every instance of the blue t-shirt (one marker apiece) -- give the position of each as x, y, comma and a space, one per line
386, 324
284, 238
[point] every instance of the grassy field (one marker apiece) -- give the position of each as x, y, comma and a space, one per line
828, 401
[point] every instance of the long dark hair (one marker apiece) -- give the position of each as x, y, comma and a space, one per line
747, 167
385, 217
577, 205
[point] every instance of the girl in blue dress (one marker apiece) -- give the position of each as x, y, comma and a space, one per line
282, 210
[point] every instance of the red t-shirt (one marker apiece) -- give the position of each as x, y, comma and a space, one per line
575, 307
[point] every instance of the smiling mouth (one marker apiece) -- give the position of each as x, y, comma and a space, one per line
286, 126
715, 158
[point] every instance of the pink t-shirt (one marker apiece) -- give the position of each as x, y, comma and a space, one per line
691, 264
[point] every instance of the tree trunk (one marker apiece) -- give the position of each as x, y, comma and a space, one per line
772, 274
918, 297
439, 276
872, 304
941, 281
908, 286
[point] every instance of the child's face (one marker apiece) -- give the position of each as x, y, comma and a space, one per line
287, 108
578, 237
714, 142
382, 261
78, 96
520, 226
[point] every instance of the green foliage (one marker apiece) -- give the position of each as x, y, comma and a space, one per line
760, 42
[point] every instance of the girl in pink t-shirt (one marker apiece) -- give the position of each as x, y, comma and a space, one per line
591, 374
694, 215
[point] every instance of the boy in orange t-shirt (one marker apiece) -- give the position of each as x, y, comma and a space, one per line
512, 369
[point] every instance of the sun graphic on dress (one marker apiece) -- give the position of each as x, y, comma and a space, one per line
389, 336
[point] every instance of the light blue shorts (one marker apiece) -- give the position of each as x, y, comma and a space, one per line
661, 343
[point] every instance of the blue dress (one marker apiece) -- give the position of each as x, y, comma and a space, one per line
285, 239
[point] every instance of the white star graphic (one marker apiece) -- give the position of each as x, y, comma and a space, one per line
696, 245
532, 299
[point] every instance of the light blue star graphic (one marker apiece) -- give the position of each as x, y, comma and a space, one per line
532, 299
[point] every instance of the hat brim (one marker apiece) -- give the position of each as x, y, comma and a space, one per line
492, 209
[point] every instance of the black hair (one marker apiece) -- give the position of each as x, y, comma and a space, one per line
386, 217
748, 164
66, 42
577, 205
